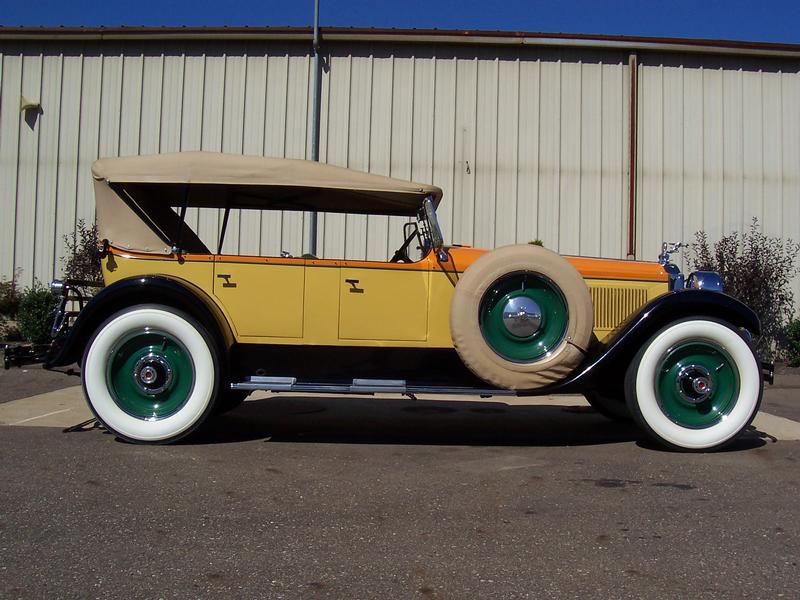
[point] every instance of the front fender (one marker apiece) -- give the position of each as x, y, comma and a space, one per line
122, 294
605, 366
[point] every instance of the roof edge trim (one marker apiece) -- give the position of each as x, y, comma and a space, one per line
430, 36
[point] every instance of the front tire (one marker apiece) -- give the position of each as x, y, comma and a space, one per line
151, 374
695, 385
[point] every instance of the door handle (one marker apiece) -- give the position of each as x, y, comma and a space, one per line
227, 278
354, 289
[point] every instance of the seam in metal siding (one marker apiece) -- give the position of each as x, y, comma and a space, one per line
44, 252
27, 165
10, 88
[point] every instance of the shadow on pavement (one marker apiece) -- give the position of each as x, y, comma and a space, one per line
390, 421
430, 422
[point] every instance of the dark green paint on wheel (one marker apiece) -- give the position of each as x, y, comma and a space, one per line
554, 317
129, 395
723, 378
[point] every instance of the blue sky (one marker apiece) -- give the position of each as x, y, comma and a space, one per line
773, 21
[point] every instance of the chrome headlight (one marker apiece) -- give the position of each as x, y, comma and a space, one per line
56, 286
705, 280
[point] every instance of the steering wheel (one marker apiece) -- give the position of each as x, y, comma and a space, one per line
402, 252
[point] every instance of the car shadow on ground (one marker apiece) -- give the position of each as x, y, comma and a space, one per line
429, 422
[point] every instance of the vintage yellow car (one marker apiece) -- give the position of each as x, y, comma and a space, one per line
182, 331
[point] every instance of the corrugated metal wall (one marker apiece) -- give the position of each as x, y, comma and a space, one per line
719, 144
527, 142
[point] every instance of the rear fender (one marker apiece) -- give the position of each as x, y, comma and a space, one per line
125, 293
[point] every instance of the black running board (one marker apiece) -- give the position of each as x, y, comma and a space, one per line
359, 386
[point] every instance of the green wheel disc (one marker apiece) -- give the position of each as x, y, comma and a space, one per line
150, 374
552, 322
697, 384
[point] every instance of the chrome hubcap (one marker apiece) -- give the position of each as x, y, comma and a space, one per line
152, 373
522, 316
694, 383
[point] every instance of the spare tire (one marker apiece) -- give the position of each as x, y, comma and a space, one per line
521, 317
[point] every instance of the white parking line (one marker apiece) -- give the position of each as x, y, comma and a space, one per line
55, 412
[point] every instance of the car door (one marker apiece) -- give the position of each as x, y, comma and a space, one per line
383, 301
263, 296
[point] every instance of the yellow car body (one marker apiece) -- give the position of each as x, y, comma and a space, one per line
297, 301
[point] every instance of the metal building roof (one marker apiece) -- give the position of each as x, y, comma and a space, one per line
431, 36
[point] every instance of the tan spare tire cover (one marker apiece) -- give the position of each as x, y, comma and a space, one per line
494, 324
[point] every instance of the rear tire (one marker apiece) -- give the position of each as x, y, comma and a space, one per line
695, 385
151, 374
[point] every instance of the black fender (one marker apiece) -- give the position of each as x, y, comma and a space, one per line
605, 366
125, 293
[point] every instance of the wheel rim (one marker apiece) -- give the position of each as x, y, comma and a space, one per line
150, 374
697, 384
523, 317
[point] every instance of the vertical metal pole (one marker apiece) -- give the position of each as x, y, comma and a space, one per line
633, 125
311, 221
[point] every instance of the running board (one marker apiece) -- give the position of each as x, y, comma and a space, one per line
359, 386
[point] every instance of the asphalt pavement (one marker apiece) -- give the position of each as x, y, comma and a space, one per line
320, 497
32, 380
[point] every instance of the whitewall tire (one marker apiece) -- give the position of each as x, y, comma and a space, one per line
695, 385
151, 374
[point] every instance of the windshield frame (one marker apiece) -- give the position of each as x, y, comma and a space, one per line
429, 225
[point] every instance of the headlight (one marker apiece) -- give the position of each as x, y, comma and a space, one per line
705, 280
56, 286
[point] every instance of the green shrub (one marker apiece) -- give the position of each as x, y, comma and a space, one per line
758, 271
82, 260
536, 242
9, 297
35, 316
793, 343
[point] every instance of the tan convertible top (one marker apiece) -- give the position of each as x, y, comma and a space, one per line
130, 188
